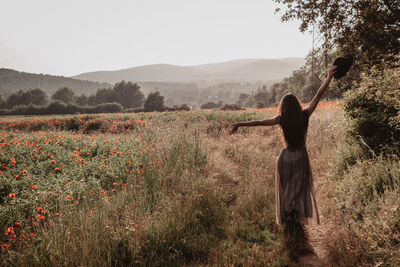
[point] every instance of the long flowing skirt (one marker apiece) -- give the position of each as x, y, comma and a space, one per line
294, 188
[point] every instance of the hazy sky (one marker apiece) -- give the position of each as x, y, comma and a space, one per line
68, 37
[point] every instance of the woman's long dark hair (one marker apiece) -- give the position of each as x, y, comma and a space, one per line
293, 120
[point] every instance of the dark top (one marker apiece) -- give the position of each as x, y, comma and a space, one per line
295, 136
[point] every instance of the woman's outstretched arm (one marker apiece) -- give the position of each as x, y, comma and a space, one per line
268, 122
321, 91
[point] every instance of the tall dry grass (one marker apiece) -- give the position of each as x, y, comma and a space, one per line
212, 203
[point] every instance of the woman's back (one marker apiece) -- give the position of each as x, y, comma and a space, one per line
293, 121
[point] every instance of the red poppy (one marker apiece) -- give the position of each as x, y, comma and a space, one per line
10, 230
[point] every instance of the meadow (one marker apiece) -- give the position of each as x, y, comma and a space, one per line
173, 188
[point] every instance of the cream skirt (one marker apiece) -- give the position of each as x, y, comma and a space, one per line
294, 188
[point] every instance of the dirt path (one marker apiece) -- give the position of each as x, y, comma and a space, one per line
317, 234
318, 256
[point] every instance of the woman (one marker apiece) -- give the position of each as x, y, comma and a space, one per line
294, 189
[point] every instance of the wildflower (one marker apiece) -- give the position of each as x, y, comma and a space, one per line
68, 197
40, 209
10, 230
17, 224
53, 161
56, 169
22, 237
115, 184
41, 218
67, 185
57, 214
33, 187
11, 195
32, 235
91, 192
91, 212
110, 198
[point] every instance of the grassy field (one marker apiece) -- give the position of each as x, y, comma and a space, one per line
174, 188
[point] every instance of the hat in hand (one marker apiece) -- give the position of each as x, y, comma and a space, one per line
343, 65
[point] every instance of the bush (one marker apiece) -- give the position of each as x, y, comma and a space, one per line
183, 107
134, 110
154, 102
374, 109
108, 108
210, 105
59, 107
230, 107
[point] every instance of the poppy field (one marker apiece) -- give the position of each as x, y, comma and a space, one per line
147, 189
146, 169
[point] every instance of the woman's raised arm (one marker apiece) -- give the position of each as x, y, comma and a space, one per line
321, 91
268, 122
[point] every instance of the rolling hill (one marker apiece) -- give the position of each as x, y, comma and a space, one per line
241, 70
12, 81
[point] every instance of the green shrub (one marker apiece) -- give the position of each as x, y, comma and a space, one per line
374, 109
346, 154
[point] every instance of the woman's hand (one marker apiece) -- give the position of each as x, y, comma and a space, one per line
234, 127
332, 71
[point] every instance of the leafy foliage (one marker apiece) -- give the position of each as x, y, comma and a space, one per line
128, 94
373, 27
59, 107
154, 102
210, 105
64, 94
374, 108
33, 96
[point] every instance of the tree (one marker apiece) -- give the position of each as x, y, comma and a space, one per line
65, 95
370, 26
18, 98
154, 102
2, 102
242, 99
106, 95
262, 97
128, 94
91, 100
82, 100
37, 97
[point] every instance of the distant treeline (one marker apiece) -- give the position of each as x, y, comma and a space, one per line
123, 97
196, 94
303, 82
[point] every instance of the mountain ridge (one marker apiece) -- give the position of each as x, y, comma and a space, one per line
237, 70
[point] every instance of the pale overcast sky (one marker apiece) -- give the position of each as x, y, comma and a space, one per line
68, 37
